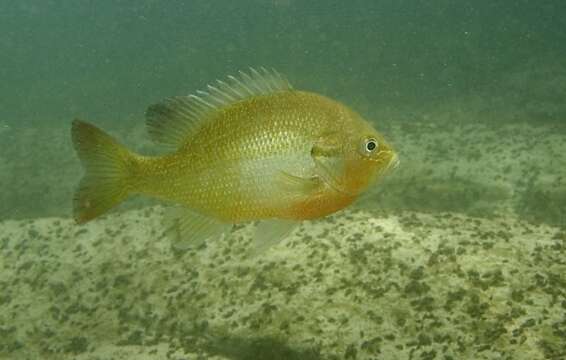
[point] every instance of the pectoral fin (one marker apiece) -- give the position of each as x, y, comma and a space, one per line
299, 186
329, 160
189, 229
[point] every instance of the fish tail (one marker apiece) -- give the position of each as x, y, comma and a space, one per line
108, 171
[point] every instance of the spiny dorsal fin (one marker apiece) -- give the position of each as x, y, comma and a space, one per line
175, 119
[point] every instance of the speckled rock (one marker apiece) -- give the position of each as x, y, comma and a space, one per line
357, 285
477, 169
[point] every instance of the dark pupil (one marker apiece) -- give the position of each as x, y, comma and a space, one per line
370, 146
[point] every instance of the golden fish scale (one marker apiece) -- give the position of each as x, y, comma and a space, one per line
230, 168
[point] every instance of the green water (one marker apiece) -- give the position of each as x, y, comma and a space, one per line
472, 94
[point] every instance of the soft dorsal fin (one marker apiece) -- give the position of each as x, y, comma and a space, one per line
175, 119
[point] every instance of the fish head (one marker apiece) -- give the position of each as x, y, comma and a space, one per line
368, 156
359, 156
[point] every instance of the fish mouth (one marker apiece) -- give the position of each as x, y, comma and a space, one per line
393, 163
387, 165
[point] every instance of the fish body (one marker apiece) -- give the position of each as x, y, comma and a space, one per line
249, 149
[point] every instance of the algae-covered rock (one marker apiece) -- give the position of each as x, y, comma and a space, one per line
357, 285
544, 202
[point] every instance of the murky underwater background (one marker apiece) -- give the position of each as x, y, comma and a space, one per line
460, 254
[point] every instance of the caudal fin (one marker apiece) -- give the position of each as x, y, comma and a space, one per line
108, 167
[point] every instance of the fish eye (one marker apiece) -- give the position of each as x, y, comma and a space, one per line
370, 145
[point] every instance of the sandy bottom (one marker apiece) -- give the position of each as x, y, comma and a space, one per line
357, 285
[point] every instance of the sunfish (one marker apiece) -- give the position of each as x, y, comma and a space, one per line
248, 148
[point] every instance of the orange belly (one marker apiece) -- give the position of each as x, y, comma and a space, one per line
318, 207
